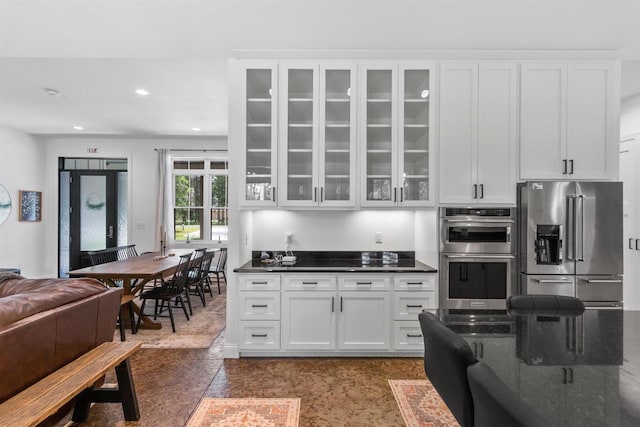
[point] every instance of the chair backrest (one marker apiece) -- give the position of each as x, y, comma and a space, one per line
177, 283
103, 256
206, 264
125, 252
446, 358
495, 404
545, 304
222, 262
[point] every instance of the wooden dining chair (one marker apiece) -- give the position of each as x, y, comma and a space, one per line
206, 266
195, 279
170, 291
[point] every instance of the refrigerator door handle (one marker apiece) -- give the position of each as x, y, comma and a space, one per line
581, 199
603, 280
571, 228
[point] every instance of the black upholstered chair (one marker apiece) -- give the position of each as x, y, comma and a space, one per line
553, 305
495, 404
446, 358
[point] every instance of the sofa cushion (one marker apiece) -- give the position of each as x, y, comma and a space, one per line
21, 298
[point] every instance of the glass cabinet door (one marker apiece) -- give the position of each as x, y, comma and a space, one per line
414, 138
380, 186
337, 137
260, 136
299, 118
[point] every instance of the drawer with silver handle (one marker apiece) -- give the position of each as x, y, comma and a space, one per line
414, 282
360, 282
408, 305
311, 282
259, 335
259, 305
254, 282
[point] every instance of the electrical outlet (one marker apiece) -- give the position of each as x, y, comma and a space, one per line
288, 237
378, 236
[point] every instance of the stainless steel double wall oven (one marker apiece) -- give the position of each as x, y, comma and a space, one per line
477, 257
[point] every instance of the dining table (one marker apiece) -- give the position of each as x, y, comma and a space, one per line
134, 273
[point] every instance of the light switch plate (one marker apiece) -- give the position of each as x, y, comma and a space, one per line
378, 236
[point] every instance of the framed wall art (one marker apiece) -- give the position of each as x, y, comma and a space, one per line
30, 205
5, 204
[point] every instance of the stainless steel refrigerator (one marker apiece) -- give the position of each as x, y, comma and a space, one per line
570, 240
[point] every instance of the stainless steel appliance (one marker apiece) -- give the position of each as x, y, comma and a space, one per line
477, 262
570, 236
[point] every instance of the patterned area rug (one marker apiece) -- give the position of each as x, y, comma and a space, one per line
246, 413
420, 404
200, 331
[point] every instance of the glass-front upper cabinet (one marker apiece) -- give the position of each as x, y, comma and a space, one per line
260, 135
337, 162
317, 138
397, 131
415, 136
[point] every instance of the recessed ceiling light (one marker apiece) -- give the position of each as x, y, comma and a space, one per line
142, 92
52, 92
196, 129
78, 128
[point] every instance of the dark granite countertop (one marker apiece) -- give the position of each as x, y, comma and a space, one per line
337, 262
574, 370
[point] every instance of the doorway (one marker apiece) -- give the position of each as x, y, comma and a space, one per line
93, 201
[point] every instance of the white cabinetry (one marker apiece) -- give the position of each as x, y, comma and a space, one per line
259, 134
412, 294
350, 313
259, 308
317, 145
397, 129
365, 312
568, 120
630, 176
478, 114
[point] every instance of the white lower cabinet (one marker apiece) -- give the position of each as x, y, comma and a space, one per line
365, 320
333, 313
309, 320
259, 335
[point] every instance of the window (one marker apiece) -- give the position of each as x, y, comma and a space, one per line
200, 190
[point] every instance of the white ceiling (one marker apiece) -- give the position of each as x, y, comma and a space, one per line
96, 52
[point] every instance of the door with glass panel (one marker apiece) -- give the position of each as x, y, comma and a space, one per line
260, 135
416, 159
299, 137
379, 108
94, 198
337, 162
398, 135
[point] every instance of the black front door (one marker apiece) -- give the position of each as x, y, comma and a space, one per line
93, 215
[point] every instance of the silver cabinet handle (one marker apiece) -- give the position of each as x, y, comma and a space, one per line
315, 193
321, 194
259, 335
414, 335
414, 306
310, 283
401, 195
273, 193
259, 283
414, 283
603, 281
482, 191
332, 300
553, 281
631, 243
475, 191
637, 241
259, 305
481, 256
364, 283
480, 221
571, 167
394, 193
564, 167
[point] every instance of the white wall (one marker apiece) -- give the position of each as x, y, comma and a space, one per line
143, 180
334, 230
630, 116
21, 168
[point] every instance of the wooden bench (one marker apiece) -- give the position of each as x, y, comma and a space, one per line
44, 398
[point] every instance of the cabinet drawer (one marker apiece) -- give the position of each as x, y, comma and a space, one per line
259, 306
269, 282
407, 335
414, 282
408, 305
259, 335
358, 282
312, 282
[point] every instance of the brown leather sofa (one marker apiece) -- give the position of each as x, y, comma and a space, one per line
47, 323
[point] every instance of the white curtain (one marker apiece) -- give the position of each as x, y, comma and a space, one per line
163, 214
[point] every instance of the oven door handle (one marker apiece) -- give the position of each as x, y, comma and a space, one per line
481, 256
480, 221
